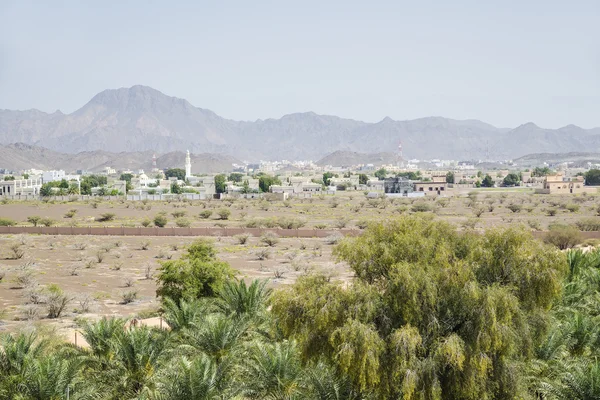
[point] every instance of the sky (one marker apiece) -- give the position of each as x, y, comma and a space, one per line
505, 62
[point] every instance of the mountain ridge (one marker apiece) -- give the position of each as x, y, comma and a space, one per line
141, 118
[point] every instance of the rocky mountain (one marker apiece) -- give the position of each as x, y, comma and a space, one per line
140, 118
349, 158
575, 159
20, 156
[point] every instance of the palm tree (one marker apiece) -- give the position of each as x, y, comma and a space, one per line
182, 315
197, 379
273, 371
16, 353
235, 298
215, 335
49, 378
325, 384
100, 334
580, 381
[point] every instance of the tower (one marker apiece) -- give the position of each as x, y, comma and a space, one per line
154, 169
400, 157
188, 165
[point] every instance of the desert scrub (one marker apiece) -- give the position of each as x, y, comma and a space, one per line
71, 213
160, 221
105, 217
224, 213
270, 239
205, 214
183, 222
7, 222
242, 238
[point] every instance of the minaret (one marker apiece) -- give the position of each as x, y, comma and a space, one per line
188, 165
154, 169
400, 156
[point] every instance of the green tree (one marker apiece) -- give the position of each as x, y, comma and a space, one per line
433, 313
9, 178
487, 181
220, 183
197, 274
511, 179
175, 188
47, 189
450, 177
235, 177
380, 174
327, 177
541, 171
592, 177
363, 179
178, 173
266, 181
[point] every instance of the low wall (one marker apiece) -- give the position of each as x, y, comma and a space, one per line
172, 231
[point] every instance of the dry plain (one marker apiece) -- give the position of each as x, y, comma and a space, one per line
114, 275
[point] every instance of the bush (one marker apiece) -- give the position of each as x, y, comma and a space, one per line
34, 220
105, 217
243, 238
421, 207
224, 213
160, 220
129, 297
572, 207
46, 221
183, 222
514, 207
197, 274
262, 254
56, 302
17, 251
334, 238
71, 213
588, 225
563, 236
178, 214
205, 214
270, 239
551, 212
146, 222
290, 223
7, 222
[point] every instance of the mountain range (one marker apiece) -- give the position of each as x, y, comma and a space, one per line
21, 156
142, 119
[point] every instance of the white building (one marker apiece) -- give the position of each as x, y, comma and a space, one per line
53, 176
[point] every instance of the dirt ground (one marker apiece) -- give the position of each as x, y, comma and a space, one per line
71, 263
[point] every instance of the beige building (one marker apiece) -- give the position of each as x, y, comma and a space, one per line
431, 188
556, 184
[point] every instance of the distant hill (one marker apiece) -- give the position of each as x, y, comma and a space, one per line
140, 119
20, 156
350, 158
577, 158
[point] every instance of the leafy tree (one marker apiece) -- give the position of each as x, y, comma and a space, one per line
91, 181
235, 177
9, 178
541, 171
25, 176
413, 176
266, 181
511, 179
175, 188
363, 179
433, 313
479, 174
450, 177
220, 183
46, 189
487, 181
380, 174
197, 274
327, 177
592, 177
178, 173
126, 177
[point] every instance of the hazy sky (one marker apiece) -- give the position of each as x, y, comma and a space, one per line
505, 62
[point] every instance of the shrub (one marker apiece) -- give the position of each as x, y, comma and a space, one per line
563, 236
262, 254
334, 238
105, 217
421, 207
22, 280
129, 296
160, 220
178, 214
588, 225
320, 226
17, 251
572, 207
183, 222
145, 245
478, 211
56, 302
7, 222
341, 223
514, 207
146, 222
242, 238
205, 214
34, 219
47, 222
290, 223
534, 224
71, 213
224, 213
551, 212
270, 239
362, 224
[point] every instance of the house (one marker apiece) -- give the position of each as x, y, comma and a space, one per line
398, 185
556, 184
21, 187
431, 188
